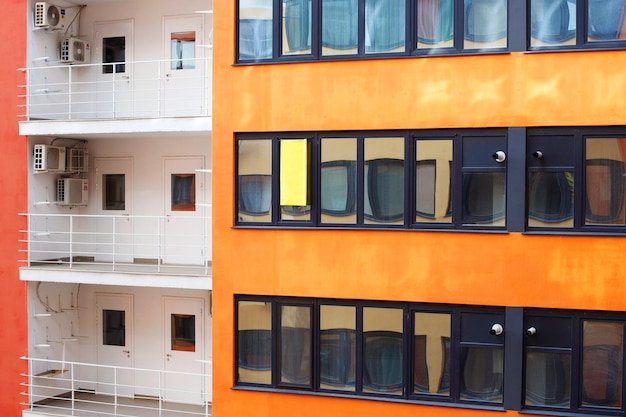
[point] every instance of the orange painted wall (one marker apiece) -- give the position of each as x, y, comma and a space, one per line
13, 186
516, 89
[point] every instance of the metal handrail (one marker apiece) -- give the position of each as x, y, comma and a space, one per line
108, 242
61, 386
103, 91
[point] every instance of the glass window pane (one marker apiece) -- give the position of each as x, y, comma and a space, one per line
255, 29
431, 353
337, 347
338, 180
435, 23
183, 50
604, 183
114, 327
485, 24
384, 25
295, 345
255, 180
603, 351
384, 180
184, 332
551, 199
606, 20
548, 377
382, 350
295, 183
114, 192
339, 27
296, 27
433, 180
484, 198
482, 373
552, 22
183, 192
114, 50
254, 342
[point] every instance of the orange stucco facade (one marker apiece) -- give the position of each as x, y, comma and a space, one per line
504, 269
13, 183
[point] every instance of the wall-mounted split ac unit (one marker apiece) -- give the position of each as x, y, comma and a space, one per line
47, 158
72, 191
49, 16
75, 51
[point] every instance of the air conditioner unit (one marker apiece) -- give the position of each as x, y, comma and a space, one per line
72, 192
77, 160
47, 158
75, 51
49, 16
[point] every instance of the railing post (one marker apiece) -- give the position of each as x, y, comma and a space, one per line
115, 391
113, 241
71, 240
69, 93
29, 237
73, 388
160, 249
27, 80
30, 384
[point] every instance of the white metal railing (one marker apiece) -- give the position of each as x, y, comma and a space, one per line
138, 89
161, 244
62, 388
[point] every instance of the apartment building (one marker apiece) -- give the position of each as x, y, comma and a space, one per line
419, 207
116, 249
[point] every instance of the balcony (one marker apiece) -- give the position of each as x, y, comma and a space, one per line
123, 91
63, 388
120, 245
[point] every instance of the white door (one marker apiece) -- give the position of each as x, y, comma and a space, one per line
184, 350
114, 226
185, 230
113, 48
185, 86
114, 329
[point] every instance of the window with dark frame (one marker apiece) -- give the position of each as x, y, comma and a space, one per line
363, 179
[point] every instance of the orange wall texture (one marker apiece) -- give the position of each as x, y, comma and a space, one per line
516, 89
13, 186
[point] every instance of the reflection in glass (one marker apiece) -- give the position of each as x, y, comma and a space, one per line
435, 23
114, 327
484, 197
433, 180
295, 345
183, 192
254, 342
604, 191
482, 373
337, 347
485, 23
552, 22
425, 186
551, 198
183, 332
602, 363
338, 180
382, 350
431, 353
384, 180
384, 25
548, 378
254, 180
183, 50
297, 26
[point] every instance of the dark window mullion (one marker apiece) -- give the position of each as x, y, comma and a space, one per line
409, 180
576, 377
360, 181
361, 28
315, 173
275, 207
358, 357
581, 22
455, 356
459, 24
277, 29
579, 181
316, 29
457, 180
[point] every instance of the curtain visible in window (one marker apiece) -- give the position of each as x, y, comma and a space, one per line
382, 357
606, 19
255, 38
485, 20
297, 24
420, 364
255, 194
551, 196
296, 355
552, 21
384, 24
425, 187
254, 349
435, 21
547, 378
339, 23
604, 191
384, 190
337, 357
338, 187
183, 50
183, 190
482, 373
484, 198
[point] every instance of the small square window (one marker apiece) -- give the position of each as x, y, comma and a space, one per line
114, 327
184, 332
183, 192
